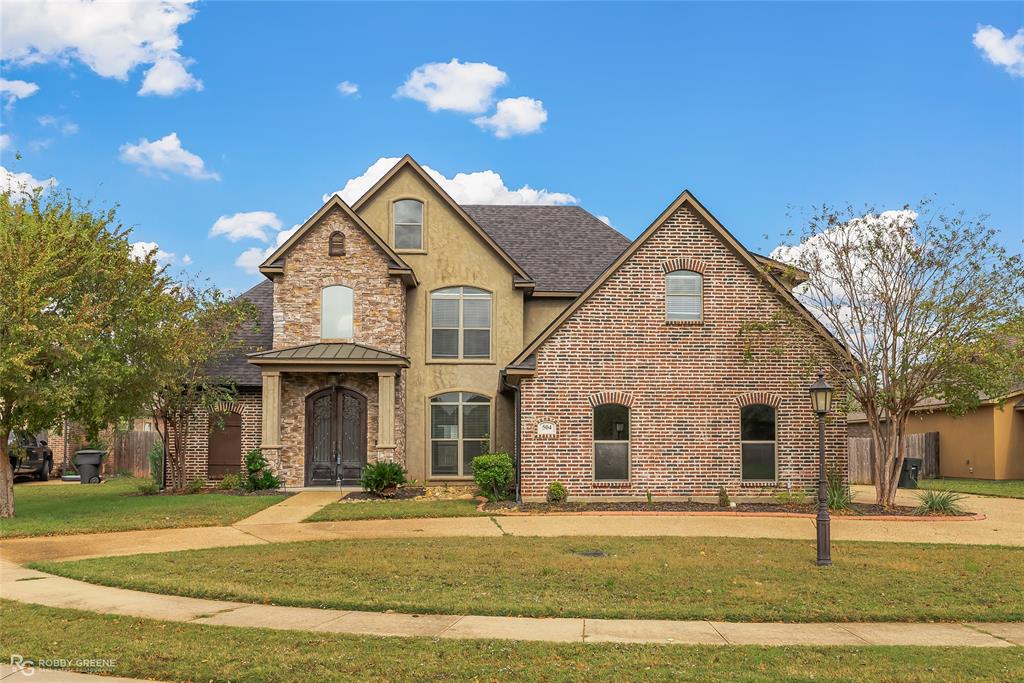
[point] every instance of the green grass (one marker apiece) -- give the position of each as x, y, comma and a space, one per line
143, 648
115, 505
396, 509
1012, 488
731, 579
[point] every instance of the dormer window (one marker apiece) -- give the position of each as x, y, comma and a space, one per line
408, 224
336, 312
336, 244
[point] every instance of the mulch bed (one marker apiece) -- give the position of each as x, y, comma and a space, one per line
403, 493
859, 509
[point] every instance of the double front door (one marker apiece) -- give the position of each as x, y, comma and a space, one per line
335, 437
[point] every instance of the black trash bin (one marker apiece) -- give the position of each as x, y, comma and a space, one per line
910, 472
88, 461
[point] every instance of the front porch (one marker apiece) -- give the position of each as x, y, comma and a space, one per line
329, 408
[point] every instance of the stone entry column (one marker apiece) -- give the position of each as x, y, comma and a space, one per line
271, 441
385, 411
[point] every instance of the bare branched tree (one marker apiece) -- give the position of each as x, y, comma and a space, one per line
928, 306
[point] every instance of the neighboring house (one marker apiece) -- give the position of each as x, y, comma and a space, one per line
409, 328
985, 443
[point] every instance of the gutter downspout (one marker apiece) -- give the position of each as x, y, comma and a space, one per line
518, 435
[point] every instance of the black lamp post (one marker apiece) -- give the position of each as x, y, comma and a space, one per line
821, 402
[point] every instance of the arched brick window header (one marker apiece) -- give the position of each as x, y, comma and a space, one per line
336, 244
756, 397
620, 397
227, 407
683, 263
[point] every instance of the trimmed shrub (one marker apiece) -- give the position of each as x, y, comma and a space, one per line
557, 493
147, 487
839, 495
797, 497
259, 477
195, 486
232, 481
939, 503
383, 478
723, 497
494, 474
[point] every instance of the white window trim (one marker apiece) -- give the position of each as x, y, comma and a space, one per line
699, 296
461, 297
352, 330
395, 224
628, 441
460, 438
775, 448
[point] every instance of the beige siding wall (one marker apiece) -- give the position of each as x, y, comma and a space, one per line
539, 313
1009, 440
453, 255
966, 444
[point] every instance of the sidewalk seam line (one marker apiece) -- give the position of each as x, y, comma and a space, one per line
855, 635
720, 634
440, 634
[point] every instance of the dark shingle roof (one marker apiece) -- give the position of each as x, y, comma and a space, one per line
563, 248
255, 337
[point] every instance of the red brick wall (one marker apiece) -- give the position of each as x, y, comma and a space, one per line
684, 382
248, 405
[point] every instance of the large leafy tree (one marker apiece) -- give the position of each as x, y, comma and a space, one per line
81, 319
205, 326
925, 304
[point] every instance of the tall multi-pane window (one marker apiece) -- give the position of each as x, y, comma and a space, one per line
459, 431
460, 323
408, 224
683, 295
336, 304
611, 442
757, 441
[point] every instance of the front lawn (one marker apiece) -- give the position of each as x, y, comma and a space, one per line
1011, 488
731, 579
115, 505
142, 648
395, 509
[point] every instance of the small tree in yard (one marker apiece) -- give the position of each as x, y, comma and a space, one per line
927, 305
79, 319
203, 327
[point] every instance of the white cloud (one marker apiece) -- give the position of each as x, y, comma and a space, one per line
63, 124
164, 156
186, 259
21, 185
5, 141
111, 38
514, 116
348, 88
478, 187
13, 90
250, 259
142, 249
168, 76
604, 219
247, 225
466, 87
1007, 52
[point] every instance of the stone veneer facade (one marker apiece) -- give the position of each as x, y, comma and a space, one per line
683, 382
378, 321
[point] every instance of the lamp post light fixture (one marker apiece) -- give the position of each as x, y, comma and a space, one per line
821, 403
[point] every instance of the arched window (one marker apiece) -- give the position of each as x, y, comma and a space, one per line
757, 442
460, 424
684, 295
336, 244
611, 442
460, 323
408, 224
336, 312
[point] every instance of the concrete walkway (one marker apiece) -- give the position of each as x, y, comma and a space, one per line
292, 509
9, 672
26, 585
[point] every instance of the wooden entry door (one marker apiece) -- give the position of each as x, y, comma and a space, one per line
224, 447
335, 437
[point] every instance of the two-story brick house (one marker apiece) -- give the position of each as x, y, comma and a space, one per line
409, 328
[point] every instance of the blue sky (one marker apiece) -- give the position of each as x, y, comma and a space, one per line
756, 108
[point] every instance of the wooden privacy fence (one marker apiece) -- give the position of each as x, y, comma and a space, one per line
924, 446
129, 452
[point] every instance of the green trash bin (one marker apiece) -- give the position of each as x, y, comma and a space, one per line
88, 462
910, 473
